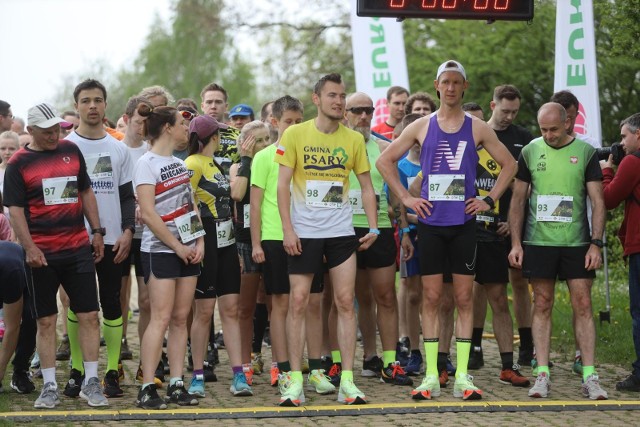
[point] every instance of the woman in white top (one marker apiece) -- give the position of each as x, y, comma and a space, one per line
172, 249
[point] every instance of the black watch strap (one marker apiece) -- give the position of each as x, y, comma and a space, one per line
488, 200
100, 230
599, 243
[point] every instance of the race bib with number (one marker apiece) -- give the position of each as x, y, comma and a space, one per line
60, 191
554, 208
245, 218
355, 199
189, 227
99, 165
326, 194
224, 231
446, 188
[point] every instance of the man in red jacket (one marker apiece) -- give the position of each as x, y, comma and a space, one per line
625, 186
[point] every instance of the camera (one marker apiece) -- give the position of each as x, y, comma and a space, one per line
615, 150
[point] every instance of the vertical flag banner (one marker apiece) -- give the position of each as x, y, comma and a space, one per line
379, 59
575, 66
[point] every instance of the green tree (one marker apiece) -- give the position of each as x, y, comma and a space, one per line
191, 50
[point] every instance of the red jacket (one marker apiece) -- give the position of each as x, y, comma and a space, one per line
625, 186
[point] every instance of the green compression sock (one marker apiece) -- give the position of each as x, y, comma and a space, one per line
74, 342
112, 333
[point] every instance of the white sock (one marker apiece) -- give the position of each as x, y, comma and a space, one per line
90, 371
49, 376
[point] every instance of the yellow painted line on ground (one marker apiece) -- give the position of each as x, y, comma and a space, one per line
480, 406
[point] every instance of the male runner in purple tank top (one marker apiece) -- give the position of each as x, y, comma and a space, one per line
446, 210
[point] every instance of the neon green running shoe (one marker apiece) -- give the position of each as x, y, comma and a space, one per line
350, 394
465, 389
291, 393
429, 388
320, 382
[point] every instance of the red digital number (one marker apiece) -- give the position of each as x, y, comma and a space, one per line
481, 4
449, 4
429, 4
397, 3
501, 4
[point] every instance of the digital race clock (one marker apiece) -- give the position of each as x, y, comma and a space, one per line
511, 10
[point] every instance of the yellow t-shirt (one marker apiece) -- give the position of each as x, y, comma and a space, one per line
322, 163
211, 188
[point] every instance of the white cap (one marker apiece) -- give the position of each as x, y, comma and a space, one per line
451, 65
44, 116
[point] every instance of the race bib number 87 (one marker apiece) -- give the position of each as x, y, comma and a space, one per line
446, 188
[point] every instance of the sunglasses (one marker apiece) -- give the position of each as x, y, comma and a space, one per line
187, 115
360, 110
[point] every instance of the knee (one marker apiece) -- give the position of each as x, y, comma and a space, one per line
387, 300
543, 303
344, 304
143, 303
47, 323
582, 306
298, 302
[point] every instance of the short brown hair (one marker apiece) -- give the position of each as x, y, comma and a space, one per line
211, 87
509, 92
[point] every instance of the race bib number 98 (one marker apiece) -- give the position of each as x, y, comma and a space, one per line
326, 194
60, 191
554, 208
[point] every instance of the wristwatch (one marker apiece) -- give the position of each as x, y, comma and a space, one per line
488, 200
131, 228
100, 230
599, 243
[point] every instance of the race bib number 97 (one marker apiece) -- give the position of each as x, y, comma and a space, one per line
326, 194
60, 191
554, 208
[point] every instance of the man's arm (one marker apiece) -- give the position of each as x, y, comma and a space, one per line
34, 256
516, 220
255, 222
128, 213
387, 166
502, 156
291, 241
593, 259
618, 186
90, 210
400, 213
370, 209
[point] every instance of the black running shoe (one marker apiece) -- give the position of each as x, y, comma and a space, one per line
21, 382
179, 395
372, 367
74, 385
335, 374
631, 383
111, 384
209, 375
394, 374
148, 398
476, 359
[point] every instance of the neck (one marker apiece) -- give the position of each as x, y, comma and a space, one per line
163, 146
326, 125
132, 141
391, 121
208, 150
564, 141
494, 125
91, 131
449, 112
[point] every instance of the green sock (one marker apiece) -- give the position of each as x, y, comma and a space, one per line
297, 376
388, 356
112, 333
346, 375
586, 371
74, 342
545, 369
431, 355
335, 356
463, 348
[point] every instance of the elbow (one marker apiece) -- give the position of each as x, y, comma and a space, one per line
237, 196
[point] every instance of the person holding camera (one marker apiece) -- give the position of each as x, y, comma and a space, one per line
624, 185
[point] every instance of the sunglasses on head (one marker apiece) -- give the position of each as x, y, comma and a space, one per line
360, 110
188, 115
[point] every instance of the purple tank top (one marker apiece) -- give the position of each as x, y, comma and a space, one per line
448, 162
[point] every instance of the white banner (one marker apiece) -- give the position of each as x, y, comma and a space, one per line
379, 59
575, 67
